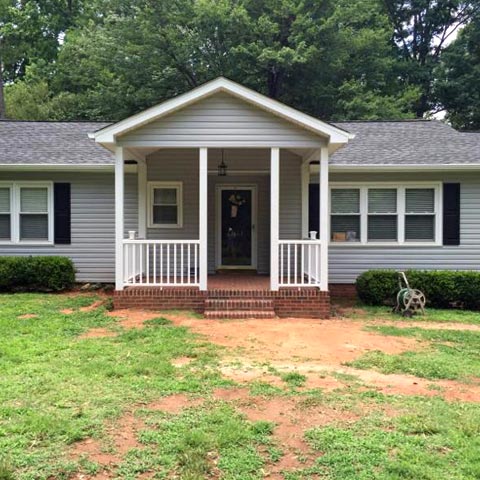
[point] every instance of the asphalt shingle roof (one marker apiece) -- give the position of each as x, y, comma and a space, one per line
51, 143
407, 142
410, 142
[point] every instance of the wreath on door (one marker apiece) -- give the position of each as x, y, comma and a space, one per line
236, 201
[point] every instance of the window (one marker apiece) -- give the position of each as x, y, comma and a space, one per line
165, 204
5, 213
345, 210
382, 213
26, 212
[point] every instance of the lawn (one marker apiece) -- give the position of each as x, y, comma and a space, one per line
155, 402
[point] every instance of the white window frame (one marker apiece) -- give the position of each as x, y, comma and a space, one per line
401, 187
15, 188
176, 185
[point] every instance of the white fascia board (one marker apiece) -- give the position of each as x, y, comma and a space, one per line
401, 168
64, 168
108, 134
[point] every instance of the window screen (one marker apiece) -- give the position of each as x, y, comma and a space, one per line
345, 218
382, 215
165, 206
419, 214
33, 213
5, 214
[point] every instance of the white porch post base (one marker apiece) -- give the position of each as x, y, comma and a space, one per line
274, 215
324, 220
119, 207
203, 218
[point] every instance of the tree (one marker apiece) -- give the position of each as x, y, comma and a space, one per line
457, 86
421, 30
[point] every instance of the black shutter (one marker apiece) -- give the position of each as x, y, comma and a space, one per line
314, 207
451, 214
62, 207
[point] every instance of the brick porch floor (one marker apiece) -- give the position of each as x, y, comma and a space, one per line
238, 281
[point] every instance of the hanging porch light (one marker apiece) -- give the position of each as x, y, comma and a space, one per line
222, 167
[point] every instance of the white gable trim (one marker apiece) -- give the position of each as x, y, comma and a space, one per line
108, 134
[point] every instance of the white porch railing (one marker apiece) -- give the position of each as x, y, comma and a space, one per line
299, 263
161, 262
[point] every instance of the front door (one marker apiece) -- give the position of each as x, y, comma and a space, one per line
236, 214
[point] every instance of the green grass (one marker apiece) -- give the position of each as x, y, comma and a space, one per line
451, 354
364, 312
56, 389
433, 440
198, 443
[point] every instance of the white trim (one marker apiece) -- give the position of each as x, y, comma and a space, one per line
15, 188
142, 199
218, 225
400, 168
274, 216
119, 208
401, 187
203, 217
151, 186
324, 221
305, 181
109, 134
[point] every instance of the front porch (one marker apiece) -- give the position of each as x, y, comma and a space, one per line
223, 177
230, 296
192, 222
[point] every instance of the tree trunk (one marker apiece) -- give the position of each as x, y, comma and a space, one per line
3, 113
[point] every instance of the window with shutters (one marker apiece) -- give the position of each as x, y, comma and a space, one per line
26, 212
386, 213
165, 204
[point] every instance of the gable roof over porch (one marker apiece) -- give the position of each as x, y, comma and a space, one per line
222, 113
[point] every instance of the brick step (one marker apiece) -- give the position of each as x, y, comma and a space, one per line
257, 304
238, 314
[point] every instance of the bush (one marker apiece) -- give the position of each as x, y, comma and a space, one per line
41, 274
442, 288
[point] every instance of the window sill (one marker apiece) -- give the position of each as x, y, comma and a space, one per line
29, 243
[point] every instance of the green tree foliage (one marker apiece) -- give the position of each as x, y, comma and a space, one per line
458, 79
421, 30
336, 59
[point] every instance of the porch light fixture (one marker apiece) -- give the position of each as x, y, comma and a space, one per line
222, 167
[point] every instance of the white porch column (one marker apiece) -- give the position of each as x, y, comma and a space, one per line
142, 198
274, 215
305, 186
324, 218
119, 207
203, 218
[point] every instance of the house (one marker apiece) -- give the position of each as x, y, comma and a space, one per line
222, 179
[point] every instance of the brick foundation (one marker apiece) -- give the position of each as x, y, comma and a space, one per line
287, 302
343, 290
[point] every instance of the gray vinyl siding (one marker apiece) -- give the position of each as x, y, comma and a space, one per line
247, 167
346, 263
93, 222
221, 120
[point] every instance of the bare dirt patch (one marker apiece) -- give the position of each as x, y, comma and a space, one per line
93, 306
27, 316
130, 318
181, 361
433, 325
174, 403
330, 342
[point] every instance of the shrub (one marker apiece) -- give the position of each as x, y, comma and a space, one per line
41, 274
442, 288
